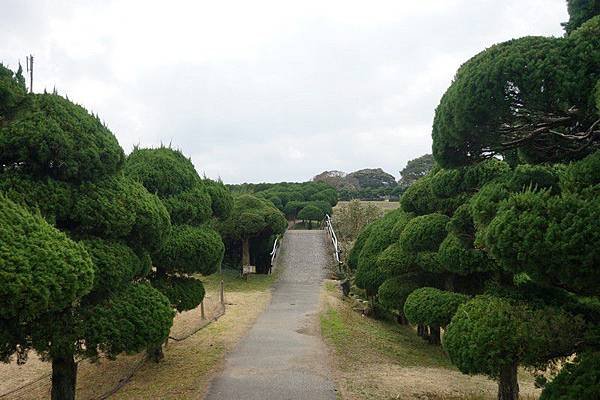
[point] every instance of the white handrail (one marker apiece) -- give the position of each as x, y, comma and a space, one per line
333, 236
274, 251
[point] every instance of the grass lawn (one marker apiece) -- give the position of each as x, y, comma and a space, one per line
382, 360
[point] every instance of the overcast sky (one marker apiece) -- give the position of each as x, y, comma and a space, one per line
265, 90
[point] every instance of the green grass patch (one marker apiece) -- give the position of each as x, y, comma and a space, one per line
235, 283
357, 338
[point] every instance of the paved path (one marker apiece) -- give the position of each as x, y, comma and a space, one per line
282, 356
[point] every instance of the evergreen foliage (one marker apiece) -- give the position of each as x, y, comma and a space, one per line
50, 136
41, 269
192, 246
432, 307
381, 236
252, 217
60, 162
311, 213
577, 380
538, 97
489, 334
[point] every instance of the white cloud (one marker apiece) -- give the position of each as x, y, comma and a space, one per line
266, 90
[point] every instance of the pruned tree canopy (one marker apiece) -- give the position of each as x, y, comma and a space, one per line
534, 94
41, 269
89, 297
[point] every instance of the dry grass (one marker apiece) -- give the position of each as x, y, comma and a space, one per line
382, 360
384, 205
188, 365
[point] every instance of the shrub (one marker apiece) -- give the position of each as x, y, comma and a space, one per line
41, 269
424, 233
53, 137
431, 306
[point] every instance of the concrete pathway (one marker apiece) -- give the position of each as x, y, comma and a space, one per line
282, 356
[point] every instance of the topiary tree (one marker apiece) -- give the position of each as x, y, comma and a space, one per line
533, 94
250, 217
381, 235
193, 247
72, 162
493, 336
434, 308
311, 213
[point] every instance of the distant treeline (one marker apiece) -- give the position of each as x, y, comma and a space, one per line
292, 197
375, 183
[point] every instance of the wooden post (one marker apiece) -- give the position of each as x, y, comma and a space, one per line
202, 310
222, 293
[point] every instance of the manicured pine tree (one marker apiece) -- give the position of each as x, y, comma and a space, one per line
311, 213
58, 160
193, 246
252, 216
537, 95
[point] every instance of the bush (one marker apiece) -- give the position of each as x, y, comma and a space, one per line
189, 250
221, 199
354, 254
129, 321
53, 137
163, 171
582, 174
184, 292
489, 334
455, 257
534, 177
115, 264
551, 238
381, 236
393, 292
41, 269
192, 207
53, 198
424, 233
311, 213
432, 307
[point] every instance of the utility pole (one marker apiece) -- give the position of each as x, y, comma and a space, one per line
29, 62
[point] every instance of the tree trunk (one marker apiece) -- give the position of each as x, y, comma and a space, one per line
401, 319
64, 378
246, 251
434, 335
421, 331
449, 283
508, 385
155, 354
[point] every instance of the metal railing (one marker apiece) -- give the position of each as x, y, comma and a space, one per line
274, 251
333, 237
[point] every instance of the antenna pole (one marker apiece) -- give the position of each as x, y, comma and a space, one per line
30, 70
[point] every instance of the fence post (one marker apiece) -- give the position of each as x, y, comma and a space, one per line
222, 293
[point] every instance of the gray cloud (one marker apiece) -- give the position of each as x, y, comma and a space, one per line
266, 90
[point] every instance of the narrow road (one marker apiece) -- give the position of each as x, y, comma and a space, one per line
282, 356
